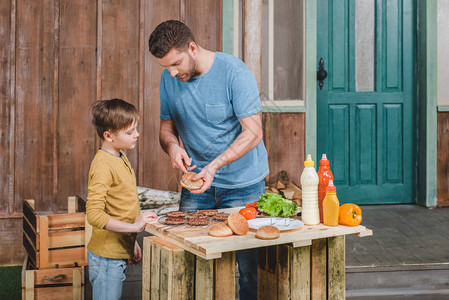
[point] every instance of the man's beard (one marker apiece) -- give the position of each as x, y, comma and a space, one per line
191, 71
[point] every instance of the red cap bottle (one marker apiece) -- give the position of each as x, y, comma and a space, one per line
324, 175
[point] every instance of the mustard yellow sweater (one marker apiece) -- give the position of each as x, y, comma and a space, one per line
112, 193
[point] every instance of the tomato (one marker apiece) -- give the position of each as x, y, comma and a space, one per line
254, 204
248, 212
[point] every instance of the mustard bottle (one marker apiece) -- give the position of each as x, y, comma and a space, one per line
331, 205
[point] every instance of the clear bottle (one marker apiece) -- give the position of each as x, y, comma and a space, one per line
331, 205
324, 174
309, 182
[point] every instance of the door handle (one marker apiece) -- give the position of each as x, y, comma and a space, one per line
321, 74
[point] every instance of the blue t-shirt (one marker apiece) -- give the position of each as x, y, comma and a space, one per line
205, 111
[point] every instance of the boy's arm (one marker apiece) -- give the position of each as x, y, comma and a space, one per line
100, 181
138, 225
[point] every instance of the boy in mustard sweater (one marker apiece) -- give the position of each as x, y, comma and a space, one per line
113, 207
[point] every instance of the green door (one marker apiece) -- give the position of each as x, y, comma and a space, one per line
366, 120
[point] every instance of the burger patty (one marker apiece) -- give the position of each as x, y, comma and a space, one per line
176, 214
198, 221
208, 212
174, 221
196, 215
221, 216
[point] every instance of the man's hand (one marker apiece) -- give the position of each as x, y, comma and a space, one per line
137, 255
207, 174
180, 159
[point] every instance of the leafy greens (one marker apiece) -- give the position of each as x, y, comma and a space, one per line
276, 206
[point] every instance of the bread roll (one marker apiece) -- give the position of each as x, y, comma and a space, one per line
268, 233
238, 224
220, 230
188, 183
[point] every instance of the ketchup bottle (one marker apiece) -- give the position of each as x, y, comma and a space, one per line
324, 175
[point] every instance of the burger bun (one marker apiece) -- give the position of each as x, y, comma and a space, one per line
188, 183
220, 230
268, 233
238, 224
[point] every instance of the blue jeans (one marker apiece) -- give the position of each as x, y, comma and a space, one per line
106, 275
226, 198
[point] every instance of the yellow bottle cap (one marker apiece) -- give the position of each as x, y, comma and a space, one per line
309, 162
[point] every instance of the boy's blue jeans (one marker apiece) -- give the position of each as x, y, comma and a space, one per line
226, 198
106, 275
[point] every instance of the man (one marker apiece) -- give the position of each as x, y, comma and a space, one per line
210, 100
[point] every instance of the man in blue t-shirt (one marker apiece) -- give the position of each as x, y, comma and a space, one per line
210, 101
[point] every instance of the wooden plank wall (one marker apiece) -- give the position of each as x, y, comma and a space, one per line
62, 55
57, 58
284, 138
443, 159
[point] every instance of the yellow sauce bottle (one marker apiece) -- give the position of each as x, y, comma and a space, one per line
331, 205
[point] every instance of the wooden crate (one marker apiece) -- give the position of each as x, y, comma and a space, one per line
169, 272
56, 240
49, 284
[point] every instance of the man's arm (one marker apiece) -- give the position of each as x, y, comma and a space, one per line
249, 138
168, 138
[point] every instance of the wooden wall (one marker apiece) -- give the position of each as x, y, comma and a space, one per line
443, 159
59, 57
284, 138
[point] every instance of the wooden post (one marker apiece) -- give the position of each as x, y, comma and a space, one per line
252, 38
204, 279
284, 273
336, 267
261, 272
146, 268
155, 266
318, 272
225, 276
77, 284
43, 241
300, 273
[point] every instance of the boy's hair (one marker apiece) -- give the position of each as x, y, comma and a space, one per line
167, 35
113, 115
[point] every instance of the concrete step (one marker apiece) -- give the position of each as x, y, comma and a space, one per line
413, 281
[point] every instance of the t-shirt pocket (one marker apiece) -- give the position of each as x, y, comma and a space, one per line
216, 113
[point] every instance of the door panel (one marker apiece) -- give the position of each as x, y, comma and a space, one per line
368, 131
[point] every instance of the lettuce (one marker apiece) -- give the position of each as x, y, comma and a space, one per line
276, 206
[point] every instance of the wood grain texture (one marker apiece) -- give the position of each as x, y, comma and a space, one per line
5, 103
319, 270
35, 128
285, 143
224, 276
11, 247
154, 160
76, 94
443, 158
120, 55
336, 267
300, 273
252, 38
204, 18
204, 279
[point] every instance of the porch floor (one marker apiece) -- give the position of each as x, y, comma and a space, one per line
406, 258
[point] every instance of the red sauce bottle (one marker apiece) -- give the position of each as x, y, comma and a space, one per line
324, 175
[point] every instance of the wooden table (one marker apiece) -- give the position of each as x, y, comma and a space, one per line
182, 261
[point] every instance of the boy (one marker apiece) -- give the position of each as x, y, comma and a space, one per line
112, 201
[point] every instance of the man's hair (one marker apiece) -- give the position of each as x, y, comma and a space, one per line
167, 35
113, 115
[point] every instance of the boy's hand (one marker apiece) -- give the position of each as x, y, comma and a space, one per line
142, 220
137, 255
